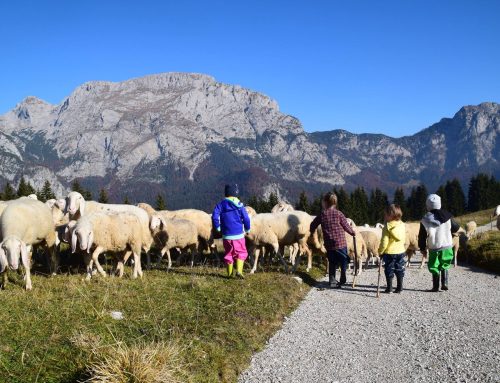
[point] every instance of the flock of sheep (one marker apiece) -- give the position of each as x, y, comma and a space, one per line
93, 228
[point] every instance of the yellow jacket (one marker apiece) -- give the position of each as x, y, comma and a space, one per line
393, 238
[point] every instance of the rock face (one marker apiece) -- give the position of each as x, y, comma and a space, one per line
187, 134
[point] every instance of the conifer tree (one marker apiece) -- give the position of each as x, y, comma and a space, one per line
8, 192
303, 203
103, 196
160, 203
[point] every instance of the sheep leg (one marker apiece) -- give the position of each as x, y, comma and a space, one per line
25, 258
137, 265
281, 258
54, 260
121, 263
422, 262
3, 281
95, 259
256, 260
164, 251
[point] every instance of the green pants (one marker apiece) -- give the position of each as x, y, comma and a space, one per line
440, 260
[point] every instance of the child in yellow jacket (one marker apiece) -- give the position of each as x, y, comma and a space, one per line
392, 247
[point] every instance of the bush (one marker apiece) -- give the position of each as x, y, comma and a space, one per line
484, 251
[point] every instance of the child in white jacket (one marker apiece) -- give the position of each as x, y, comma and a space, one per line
435, 235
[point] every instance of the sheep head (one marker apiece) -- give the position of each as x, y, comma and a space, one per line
74, 203
83, 235
14, 249
156, 223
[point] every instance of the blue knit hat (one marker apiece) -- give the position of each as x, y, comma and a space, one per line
231, 190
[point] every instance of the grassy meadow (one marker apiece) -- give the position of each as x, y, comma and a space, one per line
186, 325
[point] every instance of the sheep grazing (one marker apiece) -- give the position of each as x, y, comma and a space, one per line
108, 232
202, 220
277, 230
470, 229
26, 223
282, 207
174, 233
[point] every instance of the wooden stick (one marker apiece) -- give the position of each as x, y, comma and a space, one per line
379, 274
355, 261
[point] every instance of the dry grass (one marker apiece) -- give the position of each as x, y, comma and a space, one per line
481, 217
156, 362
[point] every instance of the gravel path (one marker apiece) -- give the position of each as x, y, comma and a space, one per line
417, 336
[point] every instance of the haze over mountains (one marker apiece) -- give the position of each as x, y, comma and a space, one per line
185, 135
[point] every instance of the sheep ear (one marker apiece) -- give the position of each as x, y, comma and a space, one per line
73, 242
90, 240
82, 206
162, 224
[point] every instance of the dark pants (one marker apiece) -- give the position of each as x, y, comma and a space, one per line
338, 258
394, 264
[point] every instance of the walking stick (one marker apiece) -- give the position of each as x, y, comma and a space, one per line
355, 261
379, 273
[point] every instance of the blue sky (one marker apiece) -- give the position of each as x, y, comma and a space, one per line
390, 67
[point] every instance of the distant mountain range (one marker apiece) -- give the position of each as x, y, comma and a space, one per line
185, 135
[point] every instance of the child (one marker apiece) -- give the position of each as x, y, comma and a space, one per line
334, 225
231, 218
435, 235
392, 247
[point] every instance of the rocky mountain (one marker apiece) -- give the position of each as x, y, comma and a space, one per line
185, 135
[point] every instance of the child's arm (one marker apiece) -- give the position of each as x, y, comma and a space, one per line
245, 219
422, 238
384, 241
315, 223
216, 217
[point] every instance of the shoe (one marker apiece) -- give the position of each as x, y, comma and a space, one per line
239, 268
338, 285
332, 281
399, 287
444, 280
388, 289
435, 283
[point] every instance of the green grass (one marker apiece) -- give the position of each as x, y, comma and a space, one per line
484, 251
481, 217
205, 326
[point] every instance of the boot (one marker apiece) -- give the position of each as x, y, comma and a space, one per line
399, 281
444, 280
388, 289
239, 268
229, 270
332, 281
435, 283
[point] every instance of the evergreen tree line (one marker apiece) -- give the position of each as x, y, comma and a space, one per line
368, 207
360, 205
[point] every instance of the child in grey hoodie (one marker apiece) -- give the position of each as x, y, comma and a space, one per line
435, 235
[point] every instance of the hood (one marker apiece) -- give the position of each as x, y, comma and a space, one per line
235, 201
396, 229
436, 217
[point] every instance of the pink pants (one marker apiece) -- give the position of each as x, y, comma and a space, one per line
235, 249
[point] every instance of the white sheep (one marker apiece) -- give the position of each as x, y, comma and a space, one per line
26, 223
251, 211
372, 242
470, 229
76, 207
100, 232
411, 243
277, 230
496, 212
202, 220
174, 233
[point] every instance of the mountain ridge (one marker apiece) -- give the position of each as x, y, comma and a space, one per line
185, 134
